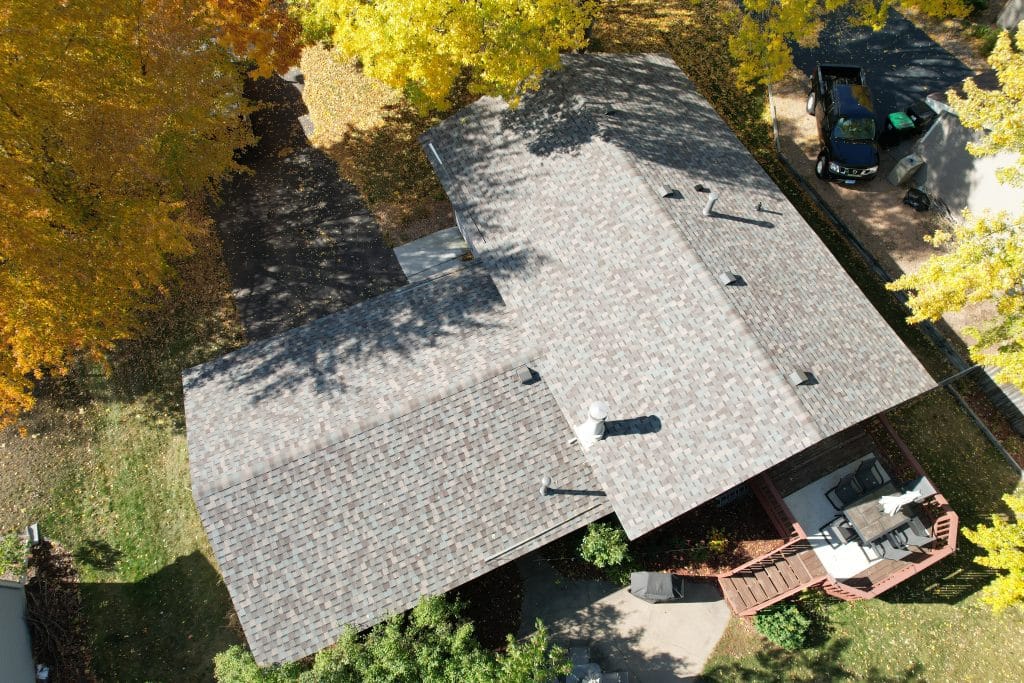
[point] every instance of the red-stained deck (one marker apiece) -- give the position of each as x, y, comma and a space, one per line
794, 567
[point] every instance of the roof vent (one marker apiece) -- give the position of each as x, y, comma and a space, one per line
709, 208
801, 378
524, 374
728, 278
592, 429
668, 192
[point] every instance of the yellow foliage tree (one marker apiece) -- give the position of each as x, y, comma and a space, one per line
1004, 544
263, 31
116, 117
761, 47
983, 256
424, 47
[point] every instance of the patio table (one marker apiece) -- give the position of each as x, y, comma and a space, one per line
869, 520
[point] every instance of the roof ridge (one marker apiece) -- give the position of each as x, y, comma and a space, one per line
734, 315
267, 463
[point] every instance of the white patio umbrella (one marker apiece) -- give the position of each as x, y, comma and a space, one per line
892, 504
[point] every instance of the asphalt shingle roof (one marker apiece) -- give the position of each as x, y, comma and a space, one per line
345, 468
563, 201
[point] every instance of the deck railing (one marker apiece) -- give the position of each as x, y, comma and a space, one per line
778, 513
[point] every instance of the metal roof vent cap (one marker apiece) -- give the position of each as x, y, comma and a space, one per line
801, 378
728, 278
668, 192
524, 374
592, 429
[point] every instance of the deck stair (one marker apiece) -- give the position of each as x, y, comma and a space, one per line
772, 578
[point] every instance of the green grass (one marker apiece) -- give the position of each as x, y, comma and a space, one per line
104, 470
932, 627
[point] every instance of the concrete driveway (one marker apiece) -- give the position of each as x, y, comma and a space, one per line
902, 63
653, 643
298, 240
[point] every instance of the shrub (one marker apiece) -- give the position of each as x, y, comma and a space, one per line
13, 553
718, 543
784, 625
604, 546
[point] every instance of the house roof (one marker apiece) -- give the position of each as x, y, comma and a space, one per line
563, 201
344, 468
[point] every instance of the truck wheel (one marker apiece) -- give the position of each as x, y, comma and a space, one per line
811, 101
821, 167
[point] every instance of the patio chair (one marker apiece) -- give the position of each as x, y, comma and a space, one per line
845, 492
884, 549
917, 535
898, 537
838, 531
869, 475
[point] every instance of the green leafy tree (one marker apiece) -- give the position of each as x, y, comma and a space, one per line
424, 47
1003, 542
431, 645
605, 546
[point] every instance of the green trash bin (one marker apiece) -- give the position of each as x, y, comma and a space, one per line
898, 127
900, 121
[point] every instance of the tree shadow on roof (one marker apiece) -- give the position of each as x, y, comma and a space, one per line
381, 332
645, 107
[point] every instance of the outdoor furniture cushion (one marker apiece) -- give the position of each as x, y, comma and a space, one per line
845, 492
869, 475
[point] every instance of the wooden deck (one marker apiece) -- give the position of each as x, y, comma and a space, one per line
794, 567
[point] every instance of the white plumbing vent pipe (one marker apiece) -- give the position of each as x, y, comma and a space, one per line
710, 206
592, 429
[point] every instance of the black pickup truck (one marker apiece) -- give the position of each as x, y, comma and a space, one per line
841, 103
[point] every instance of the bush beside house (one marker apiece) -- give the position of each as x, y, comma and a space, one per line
431, 644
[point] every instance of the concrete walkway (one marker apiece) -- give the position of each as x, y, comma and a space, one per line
427, 256
653, 643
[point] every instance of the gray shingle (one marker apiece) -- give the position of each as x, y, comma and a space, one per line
360, 529
620, 282
344, 468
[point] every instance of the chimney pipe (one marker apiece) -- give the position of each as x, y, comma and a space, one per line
545, 486
710, 206
592, 429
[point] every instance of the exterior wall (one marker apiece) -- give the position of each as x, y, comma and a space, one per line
1012, 14
16, 664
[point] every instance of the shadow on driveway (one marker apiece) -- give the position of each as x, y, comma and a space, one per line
298, 240
653, 643
903, 64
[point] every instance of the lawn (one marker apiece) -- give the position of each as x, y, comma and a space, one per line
932, 627
103, 468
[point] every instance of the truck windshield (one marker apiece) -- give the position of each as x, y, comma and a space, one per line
855, 130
